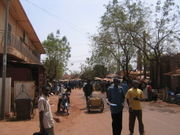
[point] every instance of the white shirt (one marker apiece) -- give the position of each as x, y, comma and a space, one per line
43, 105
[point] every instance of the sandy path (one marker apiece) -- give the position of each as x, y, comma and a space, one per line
159, 119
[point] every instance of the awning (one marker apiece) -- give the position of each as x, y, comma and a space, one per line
27, 64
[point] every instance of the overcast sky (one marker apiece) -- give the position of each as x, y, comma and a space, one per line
76, 19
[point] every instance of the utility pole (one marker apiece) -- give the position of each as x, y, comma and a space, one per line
4, 60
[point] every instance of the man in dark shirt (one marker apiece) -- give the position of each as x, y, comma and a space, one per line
115, 97
87, 90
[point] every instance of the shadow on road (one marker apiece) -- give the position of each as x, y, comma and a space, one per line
163, 107
61, 114
93, 112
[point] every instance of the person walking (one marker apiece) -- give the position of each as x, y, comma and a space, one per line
88, 89
124, 84
45, 115
134, 96
150, 92
115, 96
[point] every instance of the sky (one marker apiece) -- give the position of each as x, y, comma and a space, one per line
76, 19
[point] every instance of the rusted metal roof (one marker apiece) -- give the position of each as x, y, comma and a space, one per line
113, 76
138, 73
18, 13
173, 73
103, 79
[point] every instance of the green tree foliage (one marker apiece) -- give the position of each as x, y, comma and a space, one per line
130, 27
161, 31
99, 71
113, 44
88, 72
160, 35
75, 74
58, 53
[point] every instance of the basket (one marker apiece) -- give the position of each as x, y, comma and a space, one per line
95, 101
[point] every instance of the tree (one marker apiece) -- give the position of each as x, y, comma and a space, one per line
58, 52
86, 72
90, 72
160, 35
75, 74
99, 71
100, 56
113, 43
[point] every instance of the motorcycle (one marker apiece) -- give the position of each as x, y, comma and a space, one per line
171, 96
177, 99
65, 101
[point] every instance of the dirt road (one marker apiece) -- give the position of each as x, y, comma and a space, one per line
159, 119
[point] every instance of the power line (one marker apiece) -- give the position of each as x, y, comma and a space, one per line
73, 26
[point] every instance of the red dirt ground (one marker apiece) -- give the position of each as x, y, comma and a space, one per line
159, 119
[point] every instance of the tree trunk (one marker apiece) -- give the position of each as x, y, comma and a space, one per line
127, 67
118, 67
144, 58
158, 72
127, 70
139, 60
145, 69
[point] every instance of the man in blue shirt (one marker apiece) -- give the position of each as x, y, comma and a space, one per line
124, 84
116, 97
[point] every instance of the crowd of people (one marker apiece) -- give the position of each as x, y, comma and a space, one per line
57, 86
117, 91
116, 95
63, 90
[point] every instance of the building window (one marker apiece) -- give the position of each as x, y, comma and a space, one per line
25, 37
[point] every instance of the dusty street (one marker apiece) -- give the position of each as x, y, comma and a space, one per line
159, 119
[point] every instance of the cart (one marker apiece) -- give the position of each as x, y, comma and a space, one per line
95, 103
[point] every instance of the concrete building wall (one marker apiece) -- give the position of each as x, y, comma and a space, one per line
168, 64
17, 31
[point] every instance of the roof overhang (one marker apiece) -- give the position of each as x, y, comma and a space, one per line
27, 64
18, 13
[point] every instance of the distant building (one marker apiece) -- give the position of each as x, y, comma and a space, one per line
169, 63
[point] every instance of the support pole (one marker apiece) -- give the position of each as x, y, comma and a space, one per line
4, 60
